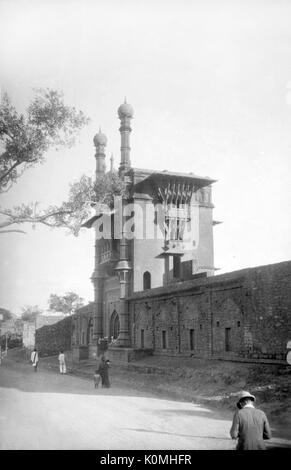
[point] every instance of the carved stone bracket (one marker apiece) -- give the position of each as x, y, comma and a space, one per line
174, 192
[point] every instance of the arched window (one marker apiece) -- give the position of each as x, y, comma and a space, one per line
146, 280
114, 325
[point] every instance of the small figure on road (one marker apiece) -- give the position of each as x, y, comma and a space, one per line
103, 370
62, 361
250, 425
97, 378
34, 359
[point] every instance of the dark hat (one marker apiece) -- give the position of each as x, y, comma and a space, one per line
244, 395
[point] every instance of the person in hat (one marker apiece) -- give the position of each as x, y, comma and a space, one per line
250, 425
103, 370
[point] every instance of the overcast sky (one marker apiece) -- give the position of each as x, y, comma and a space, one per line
210, 84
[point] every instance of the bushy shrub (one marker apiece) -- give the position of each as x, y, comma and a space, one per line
13, 341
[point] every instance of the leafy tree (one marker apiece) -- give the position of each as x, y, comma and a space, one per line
6, 314
84, 195
107, 187
25, 139
65, 303
29, 312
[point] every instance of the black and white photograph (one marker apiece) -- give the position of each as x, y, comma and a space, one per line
145, 227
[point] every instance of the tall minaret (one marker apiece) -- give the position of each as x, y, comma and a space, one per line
125, 114
123, 267
100, 142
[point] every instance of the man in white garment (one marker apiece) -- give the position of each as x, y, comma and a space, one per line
62, 361
34, 359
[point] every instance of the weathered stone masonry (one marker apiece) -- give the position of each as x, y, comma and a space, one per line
243, 314
82, 342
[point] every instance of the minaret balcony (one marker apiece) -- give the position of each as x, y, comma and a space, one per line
177, 247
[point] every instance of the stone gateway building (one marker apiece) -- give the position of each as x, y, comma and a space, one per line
154, 285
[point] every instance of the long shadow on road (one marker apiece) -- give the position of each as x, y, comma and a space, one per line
270, 445
175, 434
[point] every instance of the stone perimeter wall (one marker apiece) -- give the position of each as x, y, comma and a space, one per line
239, 315
50, 339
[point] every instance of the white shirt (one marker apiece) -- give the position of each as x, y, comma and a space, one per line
62, 357
34, 357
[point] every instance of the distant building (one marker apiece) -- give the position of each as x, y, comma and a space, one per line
11, 327
29, 328
28, 334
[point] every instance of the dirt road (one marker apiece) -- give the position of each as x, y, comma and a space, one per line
45, 410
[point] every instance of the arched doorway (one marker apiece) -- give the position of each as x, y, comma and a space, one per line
114, 325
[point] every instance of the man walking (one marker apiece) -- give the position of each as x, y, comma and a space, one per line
62, 361
249, 425
34, 359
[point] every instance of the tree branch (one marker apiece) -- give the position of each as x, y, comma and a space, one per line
7, 189
14, 231
18, 219
3, 175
